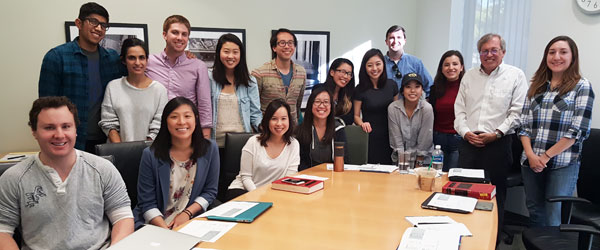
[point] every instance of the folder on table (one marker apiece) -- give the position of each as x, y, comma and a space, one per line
450, 203
247, 216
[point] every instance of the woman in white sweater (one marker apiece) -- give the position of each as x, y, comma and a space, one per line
271, 155
133, 104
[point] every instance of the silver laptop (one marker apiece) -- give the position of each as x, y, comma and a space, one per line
152, 237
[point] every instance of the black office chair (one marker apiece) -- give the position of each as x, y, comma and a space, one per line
230, 167
6, 166
565, 236
127, 156
580, 215
514, 179
357, 142
589, 174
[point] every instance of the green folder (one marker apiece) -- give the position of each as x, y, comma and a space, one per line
247, 216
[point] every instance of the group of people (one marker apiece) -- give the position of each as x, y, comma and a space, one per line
91, 95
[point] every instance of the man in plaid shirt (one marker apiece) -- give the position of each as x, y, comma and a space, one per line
80, 70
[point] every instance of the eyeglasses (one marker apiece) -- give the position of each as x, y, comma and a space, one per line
289, 43
397, 71
94, 22
318, 103
347, 73
487, 52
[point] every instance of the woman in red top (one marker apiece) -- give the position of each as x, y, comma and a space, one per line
443, 94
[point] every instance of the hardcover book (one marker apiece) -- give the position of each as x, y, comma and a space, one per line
475, 190
297, 185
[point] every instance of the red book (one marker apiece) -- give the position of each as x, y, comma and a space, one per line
297, 185
475, 190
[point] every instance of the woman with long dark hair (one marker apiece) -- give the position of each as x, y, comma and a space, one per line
555, 120
340, 82
374, 94
319, 130
234, 93
179, 173
133, 104
443, 94
270, 155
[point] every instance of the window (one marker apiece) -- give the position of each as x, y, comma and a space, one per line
508, 18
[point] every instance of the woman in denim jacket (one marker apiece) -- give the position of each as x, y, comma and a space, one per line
234, 93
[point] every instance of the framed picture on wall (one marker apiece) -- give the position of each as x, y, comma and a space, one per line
115, 35
203, 42
312, 53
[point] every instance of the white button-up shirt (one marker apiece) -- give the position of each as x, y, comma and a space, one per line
489, 102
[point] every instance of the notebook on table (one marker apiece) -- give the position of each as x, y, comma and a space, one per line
156, 238
450, 203
247, 216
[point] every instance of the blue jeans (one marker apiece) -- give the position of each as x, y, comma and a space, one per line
449, 144
541, 186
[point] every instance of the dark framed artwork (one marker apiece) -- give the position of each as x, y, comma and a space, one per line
312, 53
203, 42
115, 35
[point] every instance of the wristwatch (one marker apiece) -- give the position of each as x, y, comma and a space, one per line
498, 133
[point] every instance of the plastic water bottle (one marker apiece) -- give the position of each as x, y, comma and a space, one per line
437, 158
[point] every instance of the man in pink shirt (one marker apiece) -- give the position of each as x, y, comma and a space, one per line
181, 75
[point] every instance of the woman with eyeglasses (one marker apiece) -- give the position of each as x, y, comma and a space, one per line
374, 95
443, 94
340, 82
179, 173
133, 104
270, 155
556, 119
234, 93
316, 135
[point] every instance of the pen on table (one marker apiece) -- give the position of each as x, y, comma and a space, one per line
15, 157
373, 171
431, 223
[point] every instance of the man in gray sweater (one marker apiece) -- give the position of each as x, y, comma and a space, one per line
62, 198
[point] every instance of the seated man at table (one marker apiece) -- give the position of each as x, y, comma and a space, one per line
62, 198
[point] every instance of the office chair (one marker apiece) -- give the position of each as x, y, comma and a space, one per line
565, 236
514, 179
6, 166
589, 174
126, 158
580, 215
230, 167
357, 142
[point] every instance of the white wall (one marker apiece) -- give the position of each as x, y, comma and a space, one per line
31, 28
559, 17
549, 18
433, 32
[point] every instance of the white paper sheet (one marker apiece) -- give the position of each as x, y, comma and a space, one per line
346, 167
453, 202
378, 168
311, 177
415, 238
442, 219
463, 172
458, 228
367, 167
16, 157
209, 231
230, 209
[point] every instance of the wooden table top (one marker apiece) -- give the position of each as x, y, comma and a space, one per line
356, 210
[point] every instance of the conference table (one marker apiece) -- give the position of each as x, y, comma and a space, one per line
355, 210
